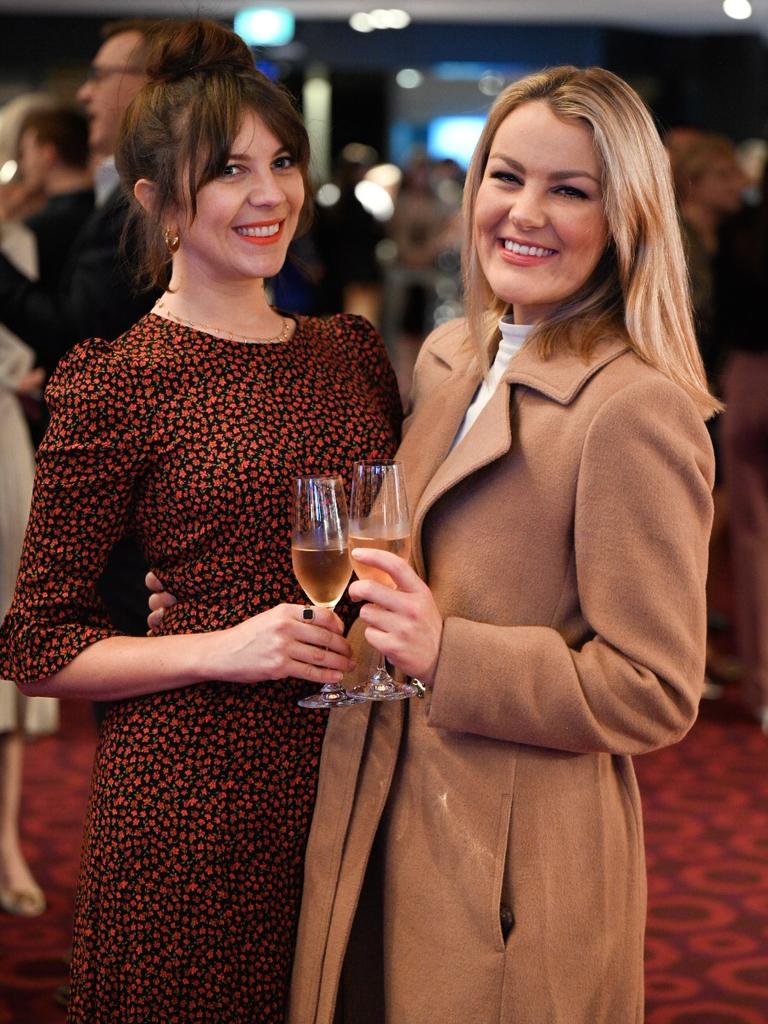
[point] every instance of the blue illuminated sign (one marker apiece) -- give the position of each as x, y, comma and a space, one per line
265, 26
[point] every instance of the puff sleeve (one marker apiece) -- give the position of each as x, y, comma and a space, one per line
91, 458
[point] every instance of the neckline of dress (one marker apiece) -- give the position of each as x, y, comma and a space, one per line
218, 340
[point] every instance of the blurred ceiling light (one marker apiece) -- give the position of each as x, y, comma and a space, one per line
265, 26
738, 9
375, 199
328, 194
491, 83
386, 175
399, 19
380, 17
361, 22
409, 78
7, 171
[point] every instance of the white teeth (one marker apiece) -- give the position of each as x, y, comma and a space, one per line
259, 232
528, 250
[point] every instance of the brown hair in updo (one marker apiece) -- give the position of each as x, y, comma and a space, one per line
179, 130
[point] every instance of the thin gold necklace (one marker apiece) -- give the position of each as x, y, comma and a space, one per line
285, 329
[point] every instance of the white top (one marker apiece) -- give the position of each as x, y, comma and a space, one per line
512, 340
105, 180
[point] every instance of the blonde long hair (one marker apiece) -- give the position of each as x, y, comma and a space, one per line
639, 290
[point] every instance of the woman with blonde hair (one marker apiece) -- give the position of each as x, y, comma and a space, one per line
478, 855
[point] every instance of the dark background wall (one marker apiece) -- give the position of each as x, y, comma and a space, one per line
714, 82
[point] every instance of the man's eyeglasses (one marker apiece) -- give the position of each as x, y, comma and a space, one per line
98, 72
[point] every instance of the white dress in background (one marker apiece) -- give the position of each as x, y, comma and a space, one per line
33, 715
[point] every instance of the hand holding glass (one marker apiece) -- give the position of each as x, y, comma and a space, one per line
379, 519
320, 556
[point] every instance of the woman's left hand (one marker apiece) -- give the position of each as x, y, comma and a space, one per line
404, 624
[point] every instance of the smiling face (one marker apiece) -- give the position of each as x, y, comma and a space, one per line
539, 224
246, 217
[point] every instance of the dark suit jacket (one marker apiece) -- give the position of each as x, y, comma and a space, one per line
96, 296
55, 227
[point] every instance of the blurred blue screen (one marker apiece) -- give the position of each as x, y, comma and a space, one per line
453, 138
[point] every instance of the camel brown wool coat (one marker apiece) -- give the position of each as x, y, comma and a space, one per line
565, 542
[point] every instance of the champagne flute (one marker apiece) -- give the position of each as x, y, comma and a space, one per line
379, 519
320, 557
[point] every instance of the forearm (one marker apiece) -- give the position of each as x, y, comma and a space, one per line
524, 684
277, 644
119, 667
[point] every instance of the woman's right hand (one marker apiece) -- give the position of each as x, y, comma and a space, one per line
281, 643
272, 645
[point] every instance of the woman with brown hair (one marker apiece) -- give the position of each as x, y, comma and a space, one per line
186, 431
483, 860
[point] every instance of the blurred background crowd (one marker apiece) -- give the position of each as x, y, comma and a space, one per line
393, 110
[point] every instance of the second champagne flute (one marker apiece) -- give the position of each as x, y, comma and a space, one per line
379, 518
320, 557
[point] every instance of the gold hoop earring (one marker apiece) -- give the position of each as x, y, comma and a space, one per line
172, 240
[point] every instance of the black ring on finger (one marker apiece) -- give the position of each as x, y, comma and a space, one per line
308, 614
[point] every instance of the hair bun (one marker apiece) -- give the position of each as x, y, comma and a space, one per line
195, 47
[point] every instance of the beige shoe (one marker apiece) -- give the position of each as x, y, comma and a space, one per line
30, 903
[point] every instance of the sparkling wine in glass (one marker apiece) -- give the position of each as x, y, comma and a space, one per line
379, 519
320, 556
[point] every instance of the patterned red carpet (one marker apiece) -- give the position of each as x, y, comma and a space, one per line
706, 821
706, 813
33, 951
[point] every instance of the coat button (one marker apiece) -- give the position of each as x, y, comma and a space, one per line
506, 920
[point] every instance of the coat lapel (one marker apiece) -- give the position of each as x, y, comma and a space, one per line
430, 433
433, 469
489, 439
564, 374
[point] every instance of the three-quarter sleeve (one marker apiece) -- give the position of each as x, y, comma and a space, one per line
642, 519
89, 462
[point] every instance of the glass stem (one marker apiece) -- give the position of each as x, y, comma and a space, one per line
381, 681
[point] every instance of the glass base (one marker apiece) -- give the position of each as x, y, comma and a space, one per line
380, 689
331, 699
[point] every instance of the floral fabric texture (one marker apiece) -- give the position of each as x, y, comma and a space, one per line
201, 797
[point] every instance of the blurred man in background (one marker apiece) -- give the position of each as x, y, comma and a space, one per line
97, 296
54, 159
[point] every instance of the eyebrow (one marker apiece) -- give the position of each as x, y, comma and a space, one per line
245, 156
554, 176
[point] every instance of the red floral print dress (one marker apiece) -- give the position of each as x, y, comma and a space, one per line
201, 797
